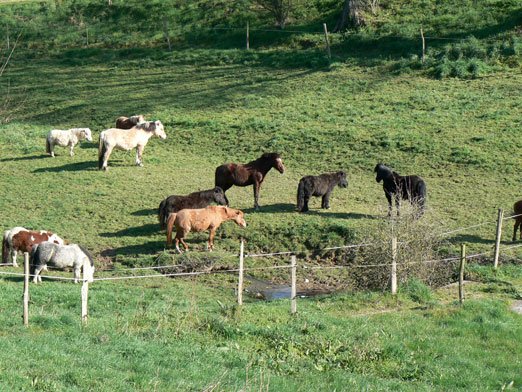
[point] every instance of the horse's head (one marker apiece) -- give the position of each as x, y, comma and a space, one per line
236, 215
88, 134
276, 160
158, 129
219, 196
382, 172
343, 180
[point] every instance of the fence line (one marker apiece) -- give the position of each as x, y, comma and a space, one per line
512, 216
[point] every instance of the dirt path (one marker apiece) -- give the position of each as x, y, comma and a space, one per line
517, 307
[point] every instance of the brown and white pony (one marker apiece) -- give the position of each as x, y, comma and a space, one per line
122, 139
68, 138
20, 239
128, 122
201, 219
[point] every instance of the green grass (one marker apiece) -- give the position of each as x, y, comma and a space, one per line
225, 104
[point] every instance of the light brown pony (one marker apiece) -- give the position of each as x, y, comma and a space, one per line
201, 219
122, 139
128, 122
517, 209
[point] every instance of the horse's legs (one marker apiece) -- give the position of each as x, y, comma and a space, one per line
398, 203
177, 245
51, 148
257, 185
211, 239
106, 156
325, 201
306, 199
76, 272
71, 148
518, 222
184, 244
226, 199
389, 198
139, 155
14, 252
37, 278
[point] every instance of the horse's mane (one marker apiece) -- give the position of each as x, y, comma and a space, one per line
148, 126
88, 254
267, 156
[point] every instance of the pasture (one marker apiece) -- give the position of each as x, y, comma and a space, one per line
228, 105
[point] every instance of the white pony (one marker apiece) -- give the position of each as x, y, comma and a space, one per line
70, 138
121, 139
62, 256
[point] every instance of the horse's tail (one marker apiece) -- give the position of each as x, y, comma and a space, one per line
34, 259
5, 247
47, 145
161, 213
300, 195
101, 151
170, 224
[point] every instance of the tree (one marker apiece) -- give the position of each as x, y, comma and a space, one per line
279, 9
351, 15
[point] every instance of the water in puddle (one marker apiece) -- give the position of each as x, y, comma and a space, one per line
269, 291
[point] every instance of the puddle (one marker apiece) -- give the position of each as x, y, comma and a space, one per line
269, 291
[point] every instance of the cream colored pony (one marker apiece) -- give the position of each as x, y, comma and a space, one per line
122, 139
70, 137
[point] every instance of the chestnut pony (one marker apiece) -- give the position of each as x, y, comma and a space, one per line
251, 173
201, 219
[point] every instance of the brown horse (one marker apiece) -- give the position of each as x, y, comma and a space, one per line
201, 219
20, 239
128, 122
251, 173
517, 208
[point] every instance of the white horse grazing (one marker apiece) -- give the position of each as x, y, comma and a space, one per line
121, 139
70, 138
62, 256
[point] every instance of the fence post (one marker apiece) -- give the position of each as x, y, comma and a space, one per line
26, 289
293, 293
394, 265
499, 234
240, 281
327, 41
85, 298
248, 36
166, 32
461, 271
423, 57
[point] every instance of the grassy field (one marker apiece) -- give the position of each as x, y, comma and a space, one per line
219, 105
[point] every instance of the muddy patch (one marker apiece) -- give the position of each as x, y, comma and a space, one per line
269, 291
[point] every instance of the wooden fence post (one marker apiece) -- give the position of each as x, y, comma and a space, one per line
240, 281
423, 56
499, 234
393, 277
248, 36
166, 32
85, 298
293, 292
327, 41
26, 289
461, 272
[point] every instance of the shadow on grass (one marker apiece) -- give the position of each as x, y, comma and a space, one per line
26, 158
271, 208
77, 166
145, 212
472, 239
138, 231
341, 215
148, 248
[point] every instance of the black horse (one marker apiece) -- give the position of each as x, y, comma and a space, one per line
412, 188
321, 185
251, 173
201, 199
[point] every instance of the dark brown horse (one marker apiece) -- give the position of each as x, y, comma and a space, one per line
251, 173
201, 199
412, 188
517, 209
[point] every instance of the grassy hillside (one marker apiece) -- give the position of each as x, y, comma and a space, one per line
374, 102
